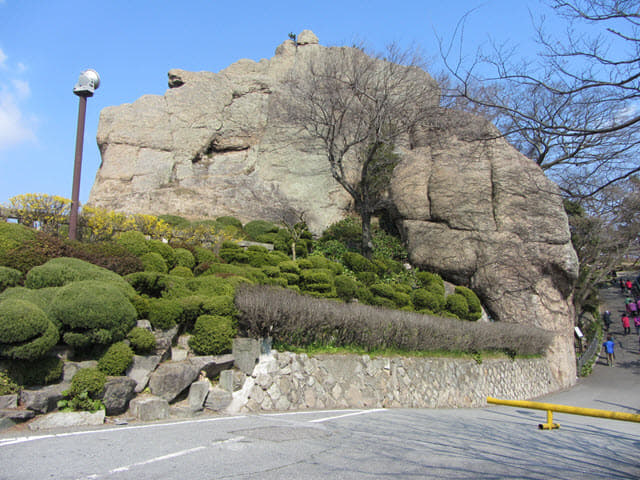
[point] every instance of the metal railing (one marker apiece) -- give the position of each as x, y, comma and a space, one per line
552, 407
590, 352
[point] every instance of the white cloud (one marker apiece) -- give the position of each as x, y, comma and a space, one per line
21, 88
14, 128
3, 56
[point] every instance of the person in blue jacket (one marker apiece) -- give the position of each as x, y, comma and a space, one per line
608, 347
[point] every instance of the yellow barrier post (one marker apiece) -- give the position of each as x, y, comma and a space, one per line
552, 407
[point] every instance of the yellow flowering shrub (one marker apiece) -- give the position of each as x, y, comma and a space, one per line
48, 210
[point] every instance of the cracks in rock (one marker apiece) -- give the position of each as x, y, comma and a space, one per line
213, 147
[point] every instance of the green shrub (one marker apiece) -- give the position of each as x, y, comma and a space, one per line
26, 333
457, 304
33, 252
116, 359
175, 221
383, 290
277, 281
43, 371
432, 282
304, 264
290, 266
164, 313
50, 275
401, 299
347, 231
109, 255
364, 295
212, 335
267, 238
183, 272
142, 340
345, 288
227, 220
357, 263
97, 310
279, 257
256, 228
134, 241
204, 255
7, 385
271, 271
388, 247
424, 299
184, 258
13, 236
312, 276
87, 387
192, 308
473, 302
367, 278
210, 285
234, 255
165, 250
291, 278
221, 305
260, 259
153, 262
9, 277
251, 273
146, 283
332, 249
383, 302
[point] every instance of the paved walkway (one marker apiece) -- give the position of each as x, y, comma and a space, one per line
610, 388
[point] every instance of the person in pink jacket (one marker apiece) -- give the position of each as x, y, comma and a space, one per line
626, 324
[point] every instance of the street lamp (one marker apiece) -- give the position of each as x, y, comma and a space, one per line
88, 82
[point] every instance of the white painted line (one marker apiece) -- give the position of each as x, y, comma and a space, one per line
363, 412
304, 412
158, 459
13, 441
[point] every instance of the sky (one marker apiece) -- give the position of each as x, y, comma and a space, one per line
46, 44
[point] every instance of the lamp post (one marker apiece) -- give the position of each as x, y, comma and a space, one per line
88, 82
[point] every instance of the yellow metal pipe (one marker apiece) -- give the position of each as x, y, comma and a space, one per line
552, 407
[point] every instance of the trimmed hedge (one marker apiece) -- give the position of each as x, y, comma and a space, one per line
424, 299
184, 258
26, 333
164, 313
9, 277
255, 228
473, 303
212, 335
153, 262
457, 304
116, 359
134, 241
142, 340
92, 312
43, 371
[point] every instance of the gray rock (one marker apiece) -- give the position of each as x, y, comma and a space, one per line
141, 368
197, 394
118, 391
67, 419
71, 368
148, 408
9, 401
212, 364
246, 352
307, 37
146, 324
218, 399
16, 415
226, 380
171, 378
178, 354
164, 340
43, 399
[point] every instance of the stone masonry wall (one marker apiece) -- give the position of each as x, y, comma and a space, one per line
288, 381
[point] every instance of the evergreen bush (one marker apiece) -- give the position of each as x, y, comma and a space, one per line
134, 241
345, 288
33, 252
109, 255
50, 275
473, 302
256, 228
26, 333
221, 305
457, 304
367, 278
9, 277
183, 272
184, 258
153, 262
165, 250
204, 255
228, 220
212, 335
87, 387
142, 340
424, 299
357, 263
7, 385
289, 266
13, 236
164, 313
116, 359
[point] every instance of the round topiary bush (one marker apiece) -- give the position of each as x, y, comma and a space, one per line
134, 241
92, 312
345, 288
222, 305
226, 221
383, 290
367, 278
90, 380
184, 258
357, 263
256, 228
212, 335
164, 313
43, 371
116, 359
26, 333
9, 277
153, 262
165, 250
432, 282
182, 272
289, 266
142, 340
475, 307
457, 304
424, 299
50, 275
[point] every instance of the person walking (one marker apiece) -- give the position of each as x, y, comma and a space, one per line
636, 323
609, 347
626, 326
606, 320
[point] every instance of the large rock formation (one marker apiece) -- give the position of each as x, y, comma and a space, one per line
467, 203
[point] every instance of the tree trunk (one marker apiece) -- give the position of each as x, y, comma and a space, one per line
367, 238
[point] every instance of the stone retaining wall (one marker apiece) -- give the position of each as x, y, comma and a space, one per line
287, 381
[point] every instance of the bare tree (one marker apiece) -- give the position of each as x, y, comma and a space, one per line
359, 107
573, 109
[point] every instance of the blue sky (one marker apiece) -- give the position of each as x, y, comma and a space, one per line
45, 44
